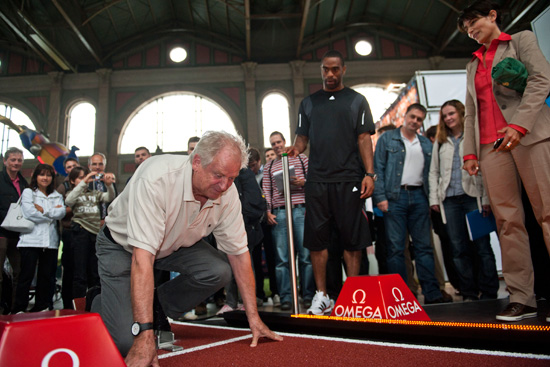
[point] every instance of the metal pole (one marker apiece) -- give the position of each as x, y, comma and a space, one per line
290, 233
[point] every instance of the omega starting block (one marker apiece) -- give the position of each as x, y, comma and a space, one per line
61, 338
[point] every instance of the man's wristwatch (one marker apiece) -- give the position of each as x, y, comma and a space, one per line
138, 328
373, 175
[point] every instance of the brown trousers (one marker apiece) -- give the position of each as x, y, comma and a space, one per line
503, 174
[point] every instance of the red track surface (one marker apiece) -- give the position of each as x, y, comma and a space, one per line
309, 350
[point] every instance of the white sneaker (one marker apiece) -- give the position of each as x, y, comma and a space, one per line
320, 305
276, 300
190, 316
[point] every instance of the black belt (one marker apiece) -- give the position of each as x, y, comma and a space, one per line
293, 206
410, 188
108, 234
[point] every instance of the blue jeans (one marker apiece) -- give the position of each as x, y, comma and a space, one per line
282, 269
411, 211
456, 208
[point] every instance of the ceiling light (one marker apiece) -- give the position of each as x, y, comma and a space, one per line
178, 54
363, 48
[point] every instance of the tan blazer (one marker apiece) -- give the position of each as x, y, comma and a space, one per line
530, 110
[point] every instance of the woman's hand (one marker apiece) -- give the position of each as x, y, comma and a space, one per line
39, 208
511, 139
90, 177
435, 208
471, 166
486, 210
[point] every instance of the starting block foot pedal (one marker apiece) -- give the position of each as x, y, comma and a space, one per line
165, 341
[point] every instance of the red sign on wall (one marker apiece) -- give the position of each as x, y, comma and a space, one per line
378, 297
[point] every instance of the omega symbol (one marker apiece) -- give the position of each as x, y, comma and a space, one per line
74, 357
397, 290
354, 297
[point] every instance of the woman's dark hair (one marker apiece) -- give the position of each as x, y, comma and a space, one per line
75, 173
40, 169
477, 9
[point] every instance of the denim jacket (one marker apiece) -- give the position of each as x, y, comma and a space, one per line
389, 158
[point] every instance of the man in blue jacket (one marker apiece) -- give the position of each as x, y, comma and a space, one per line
402, 163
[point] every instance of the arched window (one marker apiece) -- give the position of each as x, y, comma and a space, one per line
169, 121
379, 97
82, 128
275, 116
10, 137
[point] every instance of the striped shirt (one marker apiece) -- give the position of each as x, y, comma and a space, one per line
272, 195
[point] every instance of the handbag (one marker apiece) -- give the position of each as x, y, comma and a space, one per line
511, 73
16, 221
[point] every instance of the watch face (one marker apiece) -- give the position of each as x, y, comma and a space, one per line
135, 328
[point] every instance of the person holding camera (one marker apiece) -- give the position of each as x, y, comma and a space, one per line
85, 225
97, 164
522, 120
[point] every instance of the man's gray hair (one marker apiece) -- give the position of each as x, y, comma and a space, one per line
12, 150
98, 154
213, 141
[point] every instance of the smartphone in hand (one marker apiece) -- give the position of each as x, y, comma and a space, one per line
497, 143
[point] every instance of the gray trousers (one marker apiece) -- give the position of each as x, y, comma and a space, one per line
202, 270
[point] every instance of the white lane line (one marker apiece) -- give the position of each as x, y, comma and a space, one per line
359, 341
423, 347
207, 346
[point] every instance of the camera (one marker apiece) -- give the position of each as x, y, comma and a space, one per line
99, 176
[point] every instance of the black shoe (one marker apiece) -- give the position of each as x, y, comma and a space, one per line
516, 312
447, 298
436, 301
286, 306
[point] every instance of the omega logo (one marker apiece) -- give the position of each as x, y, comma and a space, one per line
354, 297
74, 357
397, 290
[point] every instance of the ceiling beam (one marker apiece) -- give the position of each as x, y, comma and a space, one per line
20, 34
132, 13
43, 42
305, 13
101, 10
79, 34
247, 28
446, 3
520, 15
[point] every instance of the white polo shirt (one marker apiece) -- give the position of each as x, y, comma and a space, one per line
413, 166
157, 211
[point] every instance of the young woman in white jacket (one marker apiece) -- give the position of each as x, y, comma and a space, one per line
453, 193
44, 206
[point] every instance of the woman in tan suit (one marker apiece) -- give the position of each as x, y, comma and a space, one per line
523, 157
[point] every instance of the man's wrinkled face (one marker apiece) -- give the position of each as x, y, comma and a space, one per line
96, 164
13, 163
140, 156
212, 181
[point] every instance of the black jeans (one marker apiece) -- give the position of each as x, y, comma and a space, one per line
47, 265
84, 262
